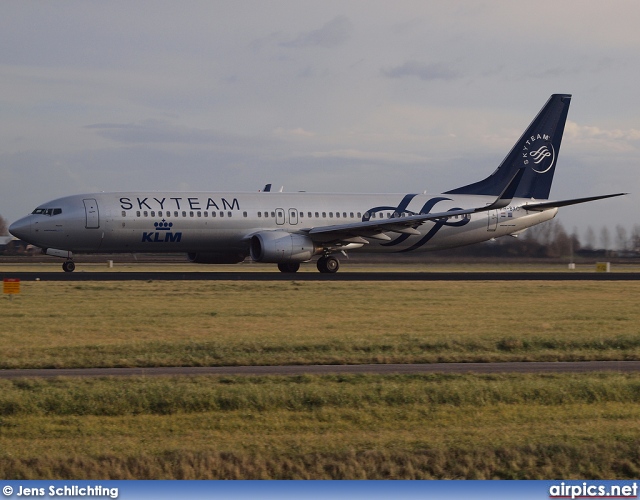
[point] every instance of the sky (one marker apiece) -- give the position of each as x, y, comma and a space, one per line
330, 96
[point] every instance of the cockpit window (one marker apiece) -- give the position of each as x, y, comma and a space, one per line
47, 211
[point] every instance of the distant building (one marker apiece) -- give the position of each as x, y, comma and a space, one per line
13, 246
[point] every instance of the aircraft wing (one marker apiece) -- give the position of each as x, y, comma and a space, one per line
358, 232
545, 205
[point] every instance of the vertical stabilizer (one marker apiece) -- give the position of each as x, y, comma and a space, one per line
536, 152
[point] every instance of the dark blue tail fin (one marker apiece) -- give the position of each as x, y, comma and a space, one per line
536, 151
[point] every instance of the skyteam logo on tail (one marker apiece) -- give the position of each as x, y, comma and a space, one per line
538, 153
162, 234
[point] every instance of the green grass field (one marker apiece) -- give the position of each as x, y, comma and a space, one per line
431, 426
91, 324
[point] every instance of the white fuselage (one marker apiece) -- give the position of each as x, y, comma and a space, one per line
224, 222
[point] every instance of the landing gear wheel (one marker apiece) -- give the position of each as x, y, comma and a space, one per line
328, 265
288, 267
69, 266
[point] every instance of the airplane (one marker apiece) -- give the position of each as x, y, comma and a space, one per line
288, 229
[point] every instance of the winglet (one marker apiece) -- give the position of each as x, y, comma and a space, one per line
507, 193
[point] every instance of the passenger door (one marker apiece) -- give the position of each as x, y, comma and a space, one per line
91, 213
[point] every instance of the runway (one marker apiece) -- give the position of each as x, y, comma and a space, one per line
312, 276
379, 369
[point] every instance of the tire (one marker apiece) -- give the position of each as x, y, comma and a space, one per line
328, 265
288, 267
69, 266
332, 265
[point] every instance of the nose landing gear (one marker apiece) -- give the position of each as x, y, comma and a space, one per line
69, 266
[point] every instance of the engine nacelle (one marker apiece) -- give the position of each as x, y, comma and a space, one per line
216, 258
281, 246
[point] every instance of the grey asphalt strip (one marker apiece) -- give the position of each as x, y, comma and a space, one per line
381, 369
312, 276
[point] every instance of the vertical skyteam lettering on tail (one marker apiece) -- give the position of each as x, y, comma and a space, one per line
539, 150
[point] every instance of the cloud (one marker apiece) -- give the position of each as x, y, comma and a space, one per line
582, 66
381, 157
295, 132
151, 131
333, 34
603, 139
433, 71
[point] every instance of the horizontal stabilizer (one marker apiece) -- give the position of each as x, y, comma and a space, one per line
545, 205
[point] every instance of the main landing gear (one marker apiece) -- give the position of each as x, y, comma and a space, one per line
288, 267
68, 266
328, 264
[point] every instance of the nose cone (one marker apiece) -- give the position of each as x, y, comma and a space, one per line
21, 229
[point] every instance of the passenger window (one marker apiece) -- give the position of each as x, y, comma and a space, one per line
206, 214
317, 215
146, 214
331, 215
199, 214
273, 214
184, 214
124, 214
175, 214
244, 214
324, 215
190, 214
138, 213
338, 215
259, 214
229, 214
213, 214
